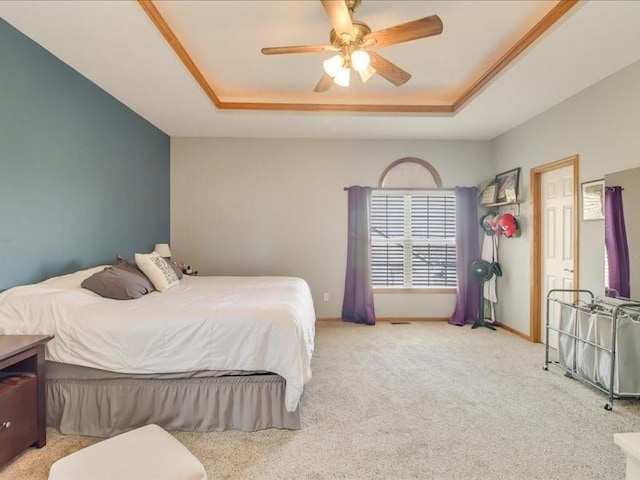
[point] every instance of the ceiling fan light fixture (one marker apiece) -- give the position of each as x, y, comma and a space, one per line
354, 41
343, 77
360, 60
367, 73
332, 66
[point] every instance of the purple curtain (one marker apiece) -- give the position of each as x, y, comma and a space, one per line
357, 305
467, 251
615, 240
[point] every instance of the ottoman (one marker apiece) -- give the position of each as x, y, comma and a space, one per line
146, 453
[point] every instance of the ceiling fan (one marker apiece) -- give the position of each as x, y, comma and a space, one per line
355, 43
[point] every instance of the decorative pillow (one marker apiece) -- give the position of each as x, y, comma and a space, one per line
117, 284
133, 268
157, 270
175, 268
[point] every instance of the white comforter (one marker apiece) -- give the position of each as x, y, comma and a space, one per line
204, 323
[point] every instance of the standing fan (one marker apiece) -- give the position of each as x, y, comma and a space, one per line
482, 271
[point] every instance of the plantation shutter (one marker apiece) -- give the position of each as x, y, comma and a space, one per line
413, 239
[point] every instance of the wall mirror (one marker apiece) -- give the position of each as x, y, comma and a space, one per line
629, 181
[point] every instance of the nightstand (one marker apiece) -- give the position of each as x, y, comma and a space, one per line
22, 394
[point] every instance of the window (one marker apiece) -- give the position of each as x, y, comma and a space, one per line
413, 238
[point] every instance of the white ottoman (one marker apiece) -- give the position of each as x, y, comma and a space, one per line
630, 445
147, 453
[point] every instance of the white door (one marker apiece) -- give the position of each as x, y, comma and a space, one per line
557, 209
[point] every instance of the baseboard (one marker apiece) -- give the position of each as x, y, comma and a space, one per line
426, 319
390, 319
513, 330
412, 319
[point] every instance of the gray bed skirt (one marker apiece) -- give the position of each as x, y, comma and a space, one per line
86, 401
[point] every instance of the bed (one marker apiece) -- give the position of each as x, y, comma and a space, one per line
211, 353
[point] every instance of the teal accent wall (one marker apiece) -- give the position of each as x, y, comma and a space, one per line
82, 177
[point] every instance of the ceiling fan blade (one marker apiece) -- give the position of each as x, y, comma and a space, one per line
405, 32
324, 84
388, 70
297, 49
338, 14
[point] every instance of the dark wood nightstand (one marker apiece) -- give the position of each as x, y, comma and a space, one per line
22, 394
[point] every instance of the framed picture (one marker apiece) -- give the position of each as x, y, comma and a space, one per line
488, 194
507, 185
593, 200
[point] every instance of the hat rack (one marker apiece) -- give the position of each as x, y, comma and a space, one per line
505, 207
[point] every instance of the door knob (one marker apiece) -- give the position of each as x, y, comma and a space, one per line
570, 270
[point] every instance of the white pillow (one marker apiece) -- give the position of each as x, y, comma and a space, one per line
157, 270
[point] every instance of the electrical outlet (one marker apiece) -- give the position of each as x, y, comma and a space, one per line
326, 297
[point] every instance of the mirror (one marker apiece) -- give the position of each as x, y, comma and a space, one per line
629, 180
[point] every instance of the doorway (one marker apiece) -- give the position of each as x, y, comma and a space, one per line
554, 235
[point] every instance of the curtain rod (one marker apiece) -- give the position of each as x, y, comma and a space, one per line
436, 189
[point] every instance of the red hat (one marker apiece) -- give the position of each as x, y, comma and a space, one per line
509, 225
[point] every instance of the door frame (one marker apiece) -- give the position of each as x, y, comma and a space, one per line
535, 287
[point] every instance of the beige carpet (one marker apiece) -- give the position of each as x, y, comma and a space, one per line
425, 400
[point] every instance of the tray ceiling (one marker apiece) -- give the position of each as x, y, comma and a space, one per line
468, 82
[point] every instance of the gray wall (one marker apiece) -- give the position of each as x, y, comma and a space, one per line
82, 177
277, 207
602, 125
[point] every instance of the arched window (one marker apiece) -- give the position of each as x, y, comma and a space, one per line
410, 172
413, 226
